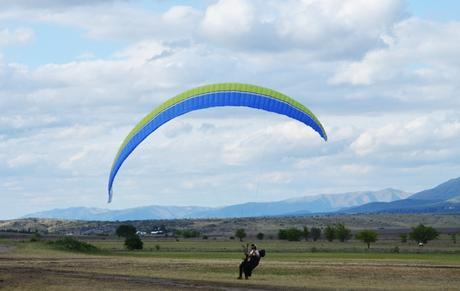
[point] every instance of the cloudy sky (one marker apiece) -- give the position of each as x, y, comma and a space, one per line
76, 76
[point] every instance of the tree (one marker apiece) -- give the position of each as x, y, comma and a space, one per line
260, 236
134, 242
305, 233
342, 233
423, 234
188, 233
329, 233
367, 236
291, 234
282, 234
125, 230
315, 233
240, 233
294, 234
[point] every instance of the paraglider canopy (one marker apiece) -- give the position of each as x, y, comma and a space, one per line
216, 95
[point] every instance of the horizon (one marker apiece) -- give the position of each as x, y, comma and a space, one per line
75, 77
404, 193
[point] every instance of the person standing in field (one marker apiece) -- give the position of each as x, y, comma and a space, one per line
249, 262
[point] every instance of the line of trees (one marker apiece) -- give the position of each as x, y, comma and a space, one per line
337, 231
296, 234
421, 234
187, 233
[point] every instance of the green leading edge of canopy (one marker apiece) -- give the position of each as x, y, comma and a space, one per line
215, 88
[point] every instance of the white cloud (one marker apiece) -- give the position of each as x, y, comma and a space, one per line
428, 135
420, 51
385, 88
16, 36
323, 29
228, 20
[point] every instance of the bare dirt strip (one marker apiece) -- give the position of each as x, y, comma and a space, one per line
18, 275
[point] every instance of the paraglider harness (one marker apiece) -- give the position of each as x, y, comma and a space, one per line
250, 262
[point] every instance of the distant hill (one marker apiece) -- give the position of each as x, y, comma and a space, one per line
444, 198
138, 213
322, 203
444, 192
309, 204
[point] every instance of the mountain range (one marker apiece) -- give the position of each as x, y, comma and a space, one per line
444, 198
323, 203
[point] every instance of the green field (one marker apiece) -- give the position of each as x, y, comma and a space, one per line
212, 265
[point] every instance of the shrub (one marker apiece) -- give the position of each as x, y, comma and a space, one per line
260, 236
134, 242
125, 230
72, 244
36, 237
157, 247
204, 237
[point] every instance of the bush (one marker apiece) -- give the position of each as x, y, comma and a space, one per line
36, 237
395, 250
157, 247
423, 234
204, 237
125, 230
134, 242
260, 236
72, 244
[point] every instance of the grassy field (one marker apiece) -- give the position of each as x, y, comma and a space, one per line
212, 265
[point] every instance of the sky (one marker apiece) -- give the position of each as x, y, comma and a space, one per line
75, 76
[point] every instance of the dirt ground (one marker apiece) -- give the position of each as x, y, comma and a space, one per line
53, 270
